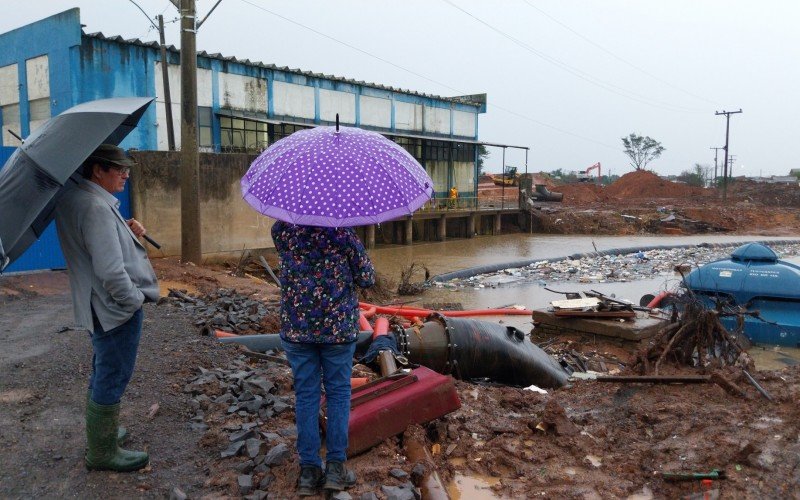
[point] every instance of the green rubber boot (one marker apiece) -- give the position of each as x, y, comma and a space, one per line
122, 432
103, 452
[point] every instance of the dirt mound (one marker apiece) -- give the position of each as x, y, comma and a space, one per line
771, 195
581, 194
645, 184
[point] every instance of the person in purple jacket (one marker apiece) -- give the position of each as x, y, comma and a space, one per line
320, 270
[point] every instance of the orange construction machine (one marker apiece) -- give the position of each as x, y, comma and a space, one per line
586, 177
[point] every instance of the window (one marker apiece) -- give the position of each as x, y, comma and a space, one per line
278, 131
204, 135
10, 122
444, 151
413, 146
437, 150
239, 134
464, 152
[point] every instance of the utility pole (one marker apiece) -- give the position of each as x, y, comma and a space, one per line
731, 160
165, 80
191, 250
727, 136
716, 152
167, 101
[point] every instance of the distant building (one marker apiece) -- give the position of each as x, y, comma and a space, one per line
51, 65
783, 179
775, 179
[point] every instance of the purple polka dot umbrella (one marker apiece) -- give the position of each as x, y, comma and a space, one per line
336, 177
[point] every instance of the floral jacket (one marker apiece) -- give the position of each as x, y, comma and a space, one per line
320, 268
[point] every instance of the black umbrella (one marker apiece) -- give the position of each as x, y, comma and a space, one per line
33, 178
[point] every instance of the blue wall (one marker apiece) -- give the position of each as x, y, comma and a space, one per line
54, 36
110, 69
45, 253
72, 81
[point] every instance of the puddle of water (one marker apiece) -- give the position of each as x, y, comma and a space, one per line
165, 285
472, 488
774, 358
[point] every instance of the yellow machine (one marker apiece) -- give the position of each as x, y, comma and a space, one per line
507, 178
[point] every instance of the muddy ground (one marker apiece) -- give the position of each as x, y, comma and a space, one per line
642, 203
590, 440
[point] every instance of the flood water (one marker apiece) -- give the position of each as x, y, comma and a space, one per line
454, 255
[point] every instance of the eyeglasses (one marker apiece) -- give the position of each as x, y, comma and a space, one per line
121, 170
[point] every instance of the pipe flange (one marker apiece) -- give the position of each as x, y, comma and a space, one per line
402, 339
452, 347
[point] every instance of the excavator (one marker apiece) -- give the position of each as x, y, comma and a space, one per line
585, 177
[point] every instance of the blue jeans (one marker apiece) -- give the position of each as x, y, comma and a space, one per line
331, 364
113, 359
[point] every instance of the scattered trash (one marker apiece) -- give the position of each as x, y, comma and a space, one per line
639, 265
693, 476
534, 388
153, 410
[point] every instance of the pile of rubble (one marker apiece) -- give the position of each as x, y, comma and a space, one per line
574, 357
246, 411
227, 310
233, 407
606, 268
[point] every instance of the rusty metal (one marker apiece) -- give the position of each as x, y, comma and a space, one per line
415, 448
387, 363
369, 395
404, 399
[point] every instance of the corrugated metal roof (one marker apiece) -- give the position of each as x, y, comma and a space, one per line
468, 100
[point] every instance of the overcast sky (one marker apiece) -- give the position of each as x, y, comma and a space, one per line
568, 78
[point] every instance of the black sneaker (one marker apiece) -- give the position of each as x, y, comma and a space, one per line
310, 480
338, 477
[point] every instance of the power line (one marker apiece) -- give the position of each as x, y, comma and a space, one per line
615, 56
609, 87
412, 72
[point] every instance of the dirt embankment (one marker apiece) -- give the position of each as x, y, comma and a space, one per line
641, 202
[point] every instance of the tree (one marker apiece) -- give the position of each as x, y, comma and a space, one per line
697, 177
483, 154
641, 150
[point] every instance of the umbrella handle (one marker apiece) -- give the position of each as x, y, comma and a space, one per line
152, 241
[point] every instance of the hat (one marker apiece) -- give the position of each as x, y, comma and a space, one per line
109, 153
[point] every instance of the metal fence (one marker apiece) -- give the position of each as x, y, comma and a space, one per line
508, 202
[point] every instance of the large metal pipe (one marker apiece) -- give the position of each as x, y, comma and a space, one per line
472, 349
466, 348
542, 193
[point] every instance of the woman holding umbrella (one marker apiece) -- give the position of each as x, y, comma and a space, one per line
319, 183
320, 268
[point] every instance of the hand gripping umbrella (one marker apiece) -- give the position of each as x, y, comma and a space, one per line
336, 177
32, 180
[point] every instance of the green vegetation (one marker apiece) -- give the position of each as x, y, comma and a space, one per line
641, 150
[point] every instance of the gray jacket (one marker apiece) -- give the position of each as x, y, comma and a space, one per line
108, 266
